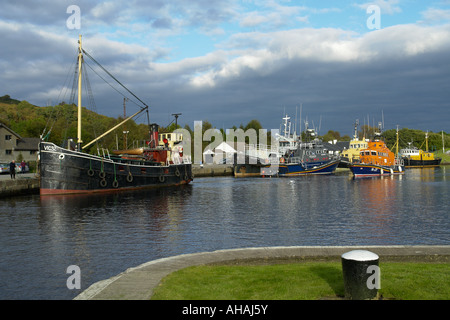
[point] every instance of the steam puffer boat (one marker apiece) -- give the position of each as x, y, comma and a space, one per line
377, 160
70, 170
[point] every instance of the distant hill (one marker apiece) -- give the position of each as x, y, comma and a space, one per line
7, 99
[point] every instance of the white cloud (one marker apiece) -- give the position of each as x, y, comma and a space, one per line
273, 50
386, 6
433, 15
107, 9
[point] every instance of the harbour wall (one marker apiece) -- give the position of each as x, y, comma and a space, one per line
22, 184
212, 170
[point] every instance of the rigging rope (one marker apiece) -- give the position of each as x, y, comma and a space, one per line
91, 101
109, 83
45, 134
87, 54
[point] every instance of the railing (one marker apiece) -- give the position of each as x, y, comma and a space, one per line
399, 162
261, 151
107, 155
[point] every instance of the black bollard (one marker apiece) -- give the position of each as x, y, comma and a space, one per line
361, 274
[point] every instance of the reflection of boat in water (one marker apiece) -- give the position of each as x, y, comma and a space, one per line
312, 157
377, 160
351, 155
415, 157
65, 170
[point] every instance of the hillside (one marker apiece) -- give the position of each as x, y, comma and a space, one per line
59, 123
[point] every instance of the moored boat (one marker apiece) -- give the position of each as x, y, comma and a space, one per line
351, 155
377, 160
262, 160
415, 157
72, 170
311, 157
297, 168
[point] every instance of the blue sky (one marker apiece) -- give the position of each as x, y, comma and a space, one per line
270, 16
192, 40
231, 61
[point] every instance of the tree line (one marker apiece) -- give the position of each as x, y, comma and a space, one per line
59, 123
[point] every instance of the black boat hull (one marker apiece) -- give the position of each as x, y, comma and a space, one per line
248, 170
421, 163
63, 171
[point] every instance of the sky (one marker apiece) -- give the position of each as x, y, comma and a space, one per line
230, 61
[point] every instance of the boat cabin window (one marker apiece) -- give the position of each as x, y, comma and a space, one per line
374, 153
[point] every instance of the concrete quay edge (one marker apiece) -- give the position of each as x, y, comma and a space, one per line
138, 283
27, 183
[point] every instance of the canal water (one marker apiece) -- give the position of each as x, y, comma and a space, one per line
106, 234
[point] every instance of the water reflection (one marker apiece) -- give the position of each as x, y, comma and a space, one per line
106, 234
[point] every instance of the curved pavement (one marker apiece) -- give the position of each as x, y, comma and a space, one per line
138, 283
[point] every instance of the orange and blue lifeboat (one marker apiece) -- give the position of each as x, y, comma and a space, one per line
377, 160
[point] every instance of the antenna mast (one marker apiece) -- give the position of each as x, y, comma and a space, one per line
176, 115
80, 61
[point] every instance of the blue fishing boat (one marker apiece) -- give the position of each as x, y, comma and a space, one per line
311, 157
305, 168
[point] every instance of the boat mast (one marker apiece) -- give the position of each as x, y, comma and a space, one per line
443, 148
355, 134
125, 132
396, 149
80, 60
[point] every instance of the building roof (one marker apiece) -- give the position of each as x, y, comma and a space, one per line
23, 144
337, 146
14, 133
225, 147
27, 144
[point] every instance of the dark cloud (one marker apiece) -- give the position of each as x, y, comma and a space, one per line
337, 76
163, 23
409, 91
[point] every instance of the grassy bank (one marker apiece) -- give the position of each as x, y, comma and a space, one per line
301, 281
444, 156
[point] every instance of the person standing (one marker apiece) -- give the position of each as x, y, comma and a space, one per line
12, 169
23, 166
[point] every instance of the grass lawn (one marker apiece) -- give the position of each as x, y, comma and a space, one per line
301, 281
445, 157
